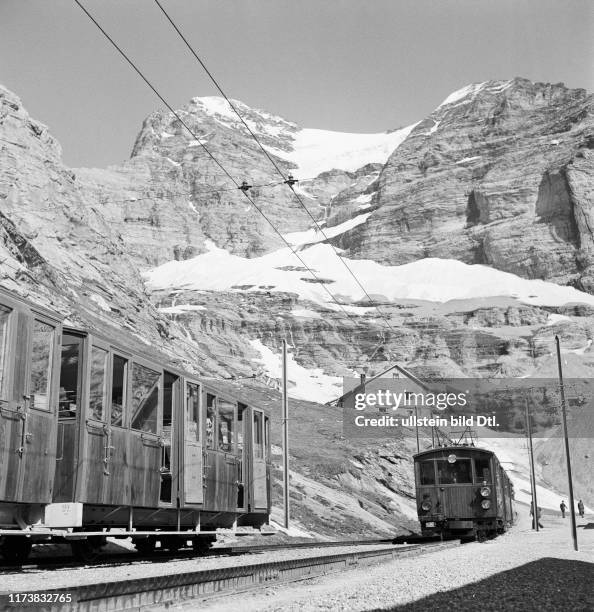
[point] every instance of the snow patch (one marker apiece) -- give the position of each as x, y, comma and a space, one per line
306, 384
308, 314
554, 318
316, 151
467, 159
313, 236
363, 198
432, 279
181, 308
469, 91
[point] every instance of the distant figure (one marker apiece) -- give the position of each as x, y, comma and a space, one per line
533, 517
563, 508
581, 508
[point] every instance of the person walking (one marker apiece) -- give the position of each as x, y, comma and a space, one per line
581, 508
563, 508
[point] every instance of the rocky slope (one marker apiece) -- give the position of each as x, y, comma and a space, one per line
166, 246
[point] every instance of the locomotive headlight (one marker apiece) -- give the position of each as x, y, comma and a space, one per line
485, 492
485, 504
426, 506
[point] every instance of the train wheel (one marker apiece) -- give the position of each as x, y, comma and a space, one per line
202, 545
145, 546
87, 550
172, 543
15, 549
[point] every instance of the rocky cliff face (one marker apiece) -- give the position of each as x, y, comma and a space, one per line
500, 174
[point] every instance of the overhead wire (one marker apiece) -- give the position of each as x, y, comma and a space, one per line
272, 161
212, 157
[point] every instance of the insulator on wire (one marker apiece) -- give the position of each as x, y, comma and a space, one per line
291, 181
244, 187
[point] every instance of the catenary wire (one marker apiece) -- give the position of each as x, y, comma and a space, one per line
214, 159
276, 166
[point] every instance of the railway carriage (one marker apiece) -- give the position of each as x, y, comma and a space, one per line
99, 437
462, 490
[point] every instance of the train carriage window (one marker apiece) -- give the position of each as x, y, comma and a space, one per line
226, 425
482, 470
211, 403
4, 319
98, 384
118, 390
192, 412
454, 473
69, 401
266, 436
41, 358
258, 435
145, 398
427, 472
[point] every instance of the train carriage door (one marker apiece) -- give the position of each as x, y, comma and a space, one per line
39, 425
169, 445
242, 456
193, 480
259, 484
95, 432
145, 442
69, 407
10, 405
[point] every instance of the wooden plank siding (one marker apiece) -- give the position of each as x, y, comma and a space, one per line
222, 472
144, 468
65, 477
11, 425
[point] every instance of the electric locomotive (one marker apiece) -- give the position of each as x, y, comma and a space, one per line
462, 491
101, 436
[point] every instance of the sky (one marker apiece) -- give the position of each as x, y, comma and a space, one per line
348, 65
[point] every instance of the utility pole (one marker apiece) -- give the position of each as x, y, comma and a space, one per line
535, 516
417, 427
285, 420
569, 479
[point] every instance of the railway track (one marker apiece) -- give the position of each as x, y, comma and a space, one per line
124, 558
162, 591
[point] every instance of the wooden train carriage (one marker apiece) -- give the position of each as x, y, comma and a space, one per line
98, 434
145, 446
462, 490
29, 350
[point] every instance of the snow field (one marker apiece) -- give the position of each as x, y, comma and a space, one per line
432, 279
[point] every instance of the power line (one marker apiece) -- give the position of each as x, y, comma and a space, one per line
214, 159
277, 168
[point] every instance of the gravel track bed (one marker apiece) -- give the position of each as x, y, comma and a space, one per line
61, 578
520, 571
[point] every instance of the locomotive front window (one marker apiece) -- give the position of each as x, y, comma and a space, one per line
145, 398
226, 425
454, 473
427, 472
4, 318
192, 412
211, 403
98, 381
482, 470
41, 357
118, 390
